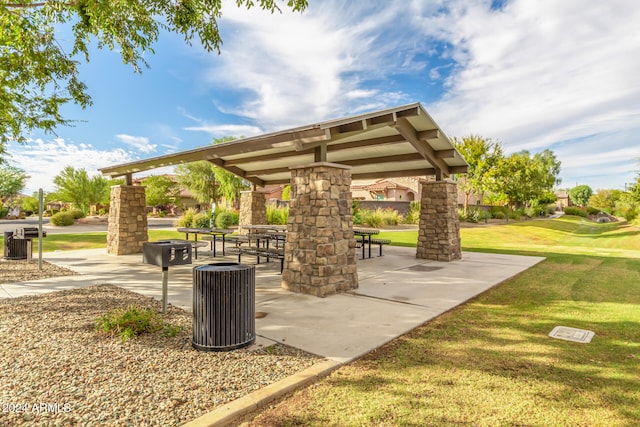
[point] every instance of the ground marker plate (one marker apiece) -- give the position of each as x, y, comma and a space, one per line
572, 334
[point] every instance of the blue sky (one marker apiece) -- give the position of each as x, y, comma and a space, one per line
562, 75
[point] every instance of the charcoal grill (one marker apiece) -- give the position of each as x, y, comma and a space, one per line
165, 253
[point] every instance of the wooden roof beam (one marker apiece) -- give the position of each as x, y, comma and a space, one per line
394, 174
385, 159
445, 154
366, 142
267, 157
428, 134
409, 133
237, 172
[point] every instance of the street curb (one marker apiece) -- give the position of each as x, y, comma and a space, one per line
260, 398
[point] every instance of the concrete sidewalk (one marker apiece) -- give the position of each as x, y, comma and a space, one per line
397, 293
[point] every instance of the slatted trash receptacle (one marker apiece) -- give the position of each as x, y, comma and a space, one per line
223, 306
14, 248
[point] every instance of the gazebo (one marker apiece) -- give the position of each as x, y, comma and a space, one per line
319, 161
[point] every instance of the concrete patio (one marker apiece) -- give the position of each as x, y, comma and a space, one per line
397, 293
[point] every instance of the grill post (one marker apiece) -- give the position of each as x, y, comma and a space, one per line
223, 306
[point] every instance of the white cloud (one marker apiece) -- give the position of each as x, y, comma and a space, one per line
140, 143
43, 160
293, 69
538, 72
226, 130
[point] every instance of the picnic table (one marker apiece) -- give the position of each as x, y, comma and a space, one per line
269, 228
366, 240
262, 241
212, 233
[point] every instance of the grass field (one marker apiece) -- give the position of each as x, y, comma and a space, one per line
490, 362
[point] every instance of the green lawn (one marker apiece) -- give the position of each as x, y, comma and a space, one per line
66, 242
490, 362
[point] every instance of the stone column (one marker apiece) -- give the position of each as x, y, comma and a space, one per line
253, 209
320, 257
127, 220
439, 229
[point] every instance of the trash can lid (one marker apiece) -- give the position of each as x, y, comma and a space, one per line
223, 266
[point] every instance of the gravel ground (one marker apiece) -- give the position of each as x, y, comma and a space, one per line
57, 370
12, 271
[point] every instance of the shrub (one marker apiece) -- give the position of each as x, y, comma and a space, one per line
532, 212
102, 212
133, 321
286, 192
499, 215
224, 219
413, 214
372, 218
63, 219
473, 215
278, 216
4, 212
201, 220
390, 216
572, 210
593, 211
186, 220
516, 214
356, 212
632, 214
77, 213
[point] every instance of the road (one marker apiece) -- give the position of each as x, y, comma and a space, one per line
12, 224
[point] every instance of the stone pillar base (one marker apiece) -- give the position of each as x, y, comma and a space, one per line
439, 229
320, 257
127, 220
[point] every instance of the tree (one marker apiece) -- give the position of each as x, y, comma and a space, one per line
230, 185
160, 190
524, 178
605, 200
580, 194
483, 156
208, 183
77, 187
39, 75
200, 180
12, 181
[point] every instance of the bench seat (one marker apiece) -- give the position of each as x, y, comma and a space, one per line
360, 241
259, 252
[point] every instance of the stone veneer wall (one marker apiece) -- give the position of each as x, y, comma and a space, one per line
320, 257
439, 229
253, 209
127, 220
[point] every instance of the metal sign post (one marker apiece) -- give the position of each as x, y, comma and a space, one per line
40, 208
165, 288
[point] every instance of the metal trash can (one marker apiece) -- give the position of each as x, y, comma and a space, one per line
14, 248
223, 306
